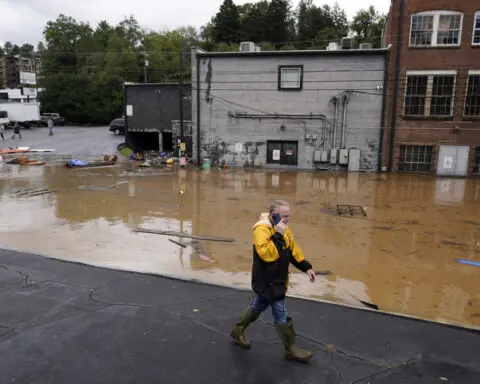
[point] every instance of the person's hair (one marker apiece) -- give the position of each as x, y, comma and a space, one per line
278, 203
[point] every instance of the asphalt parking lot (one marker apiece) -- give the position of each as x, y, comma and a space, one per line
68, 140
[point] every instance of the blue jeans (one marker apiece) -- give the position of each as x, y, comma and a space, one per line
279, 311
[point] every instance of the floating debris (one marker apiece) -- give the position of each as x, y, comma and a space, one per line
30, 192
351, 210
183, 234
176, 242
323, 273
468, 262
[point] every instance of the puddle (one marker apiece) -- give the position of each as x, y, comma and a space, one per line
400, 256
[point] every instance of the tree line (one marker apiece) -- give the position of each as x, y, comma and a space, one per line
83, 68
275, 25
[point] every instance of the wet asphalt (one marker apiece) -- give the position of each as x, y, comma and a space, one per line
67, 140
63, 322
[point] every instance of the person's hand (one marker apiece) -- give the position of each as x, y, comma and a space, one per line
280, 227
311, 275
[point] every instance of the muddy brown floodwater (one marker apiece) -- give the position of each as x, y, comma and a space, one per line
401, 256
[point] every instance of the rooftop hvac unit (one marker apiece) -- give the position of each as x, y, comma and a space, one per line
247, 46
347, 43
366, 46
258, 49
333, 46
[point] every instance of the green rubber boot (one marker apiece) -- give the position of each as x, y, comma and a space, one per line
247, 317
292, 351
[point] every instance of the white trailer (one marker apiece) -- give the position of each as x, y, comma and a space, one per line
25, 114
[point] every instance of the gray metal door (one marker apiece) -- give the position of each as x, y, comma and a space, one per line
452, 160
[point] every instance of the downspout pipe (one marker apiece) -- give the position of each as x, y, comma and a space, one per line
345, 100
384, 102
396, 81
335, 121
197, 57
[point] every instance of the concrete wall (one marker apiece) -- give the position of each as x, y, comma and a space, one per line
239, 83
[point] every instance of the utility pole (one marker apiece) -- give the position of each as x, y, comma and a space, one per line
145, 69
181, 102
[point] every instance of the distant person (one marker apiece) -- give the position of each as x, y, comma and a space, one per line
2, 131
16, 131
50, 127
274, 249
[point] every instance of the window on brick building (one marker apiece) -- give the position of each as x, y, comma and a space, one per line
476, 29
415, 158
429, 94
436, 29
472, 97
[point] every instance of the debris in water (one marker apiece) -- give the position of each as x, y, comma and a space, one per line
176, 242
93, 188
323, 273
387, 228
29, 192
351, 210
183, 234
206, 258
469, 262
370, 305
454, 243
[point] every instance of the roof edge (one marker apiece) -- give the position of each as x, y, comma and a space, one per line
338, 52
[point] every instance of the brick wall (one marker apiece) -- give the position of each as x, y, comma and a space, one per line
457, 130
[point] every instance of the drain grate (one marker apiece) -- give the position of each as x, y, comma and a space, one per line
351, 210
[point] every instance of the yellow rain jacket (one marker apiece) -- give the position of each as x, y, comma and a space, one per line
272, 255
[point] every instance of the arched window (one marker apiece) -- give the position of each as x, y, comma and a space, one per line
436, 29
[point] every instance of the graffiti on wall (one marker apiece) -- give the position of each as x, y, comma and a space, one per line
246, 154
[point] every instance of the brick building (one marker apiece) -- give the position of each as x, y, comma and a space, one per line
432, 115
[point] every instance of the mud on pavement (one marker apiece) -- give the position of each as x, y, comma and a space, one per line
400, 255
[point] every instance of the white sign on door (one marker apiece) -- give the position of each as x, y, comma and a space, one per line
447, 162
276, 154
129, 110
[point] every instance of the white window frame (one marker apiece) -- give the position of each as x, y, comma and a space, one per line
428, 97
475, 17
436, 17
473, 72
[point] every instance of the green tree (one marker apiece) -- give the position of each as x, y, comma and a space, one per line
368, 25
7, 47
27, 50
253, 20
279, 22
226, 26
317, 26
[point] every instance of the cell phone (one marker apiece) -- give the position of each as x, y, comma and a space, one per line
276, 218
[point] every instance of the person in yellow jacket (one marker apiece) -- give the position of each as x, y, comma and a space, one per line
273, 250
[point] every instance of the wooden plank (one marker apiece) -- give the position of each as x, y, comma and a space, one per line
185, 235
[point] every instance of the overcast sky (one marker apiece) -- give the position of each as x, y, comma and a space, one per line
22, 21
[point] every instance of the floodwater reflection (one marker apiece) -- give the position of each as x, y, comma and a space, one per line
401, 256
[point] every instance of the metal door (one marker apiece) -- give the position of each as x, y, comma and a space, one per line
274, 150
289, 153
452, 160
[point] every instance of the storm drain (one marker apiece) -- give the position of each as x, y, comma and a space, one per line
351, 210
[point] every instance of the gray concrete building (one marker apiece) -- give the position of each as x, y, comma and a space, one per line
289, 109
